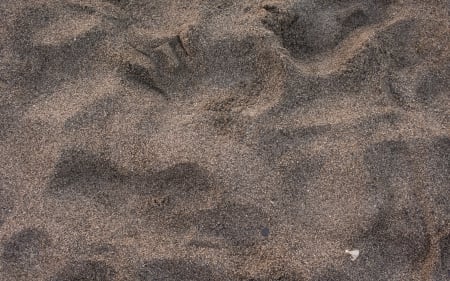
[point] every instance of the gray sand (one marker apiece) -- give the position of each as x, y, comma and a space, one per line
224, 140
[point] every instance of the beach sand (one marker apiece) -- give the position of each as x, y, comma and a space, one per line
224, 140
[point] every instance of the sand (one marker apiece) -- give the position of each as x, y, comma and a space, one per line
224, 140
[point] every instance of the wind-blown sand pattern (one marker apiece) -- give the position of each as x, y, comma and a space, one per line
224, 140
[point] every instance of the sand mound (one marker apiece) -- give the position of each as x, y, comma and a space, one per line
224, 140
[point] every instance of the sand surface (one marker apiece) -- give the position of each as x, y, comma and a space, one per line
224, 140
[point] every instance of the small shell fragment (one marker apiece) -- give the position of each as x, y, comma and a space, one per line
353, 254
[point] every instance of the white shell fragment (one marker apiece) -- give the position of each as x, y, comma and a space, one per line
354, 254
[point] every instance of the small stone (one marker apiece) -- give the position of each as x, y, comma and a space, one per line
265, 232
353, 254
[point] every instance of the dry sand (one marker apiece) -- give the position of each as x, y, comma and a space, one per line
224, 140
